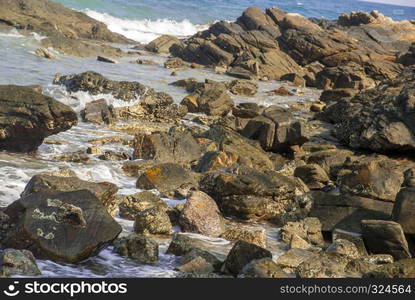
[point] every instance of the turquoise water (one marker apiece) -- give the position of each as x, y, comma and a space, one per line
203, 11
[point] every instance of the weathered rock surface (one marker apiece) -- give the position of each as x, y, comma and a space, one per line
154, 220
138, 247
401, 269
131, 205
27, 117
162, 44
17, 263
64, 227
262, 268
98, 112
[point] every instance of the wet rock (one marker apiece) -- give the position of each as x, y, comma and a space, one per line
313, 176
249, 234
345, 211
28, 117
153, 220
162, 44
98, 112
281, 91
174, 63
94, 83
79, 157
197, 265
106, 60
241, 254
249, 194
331, 160
45, 53
385, 237
17, 263
173, 147
104, 191
43, 221
131, 205
211, 99
243, 87
262, 268
207, 256
181, 244
166, 178
138, 247
201, 215
401, 269
144, 62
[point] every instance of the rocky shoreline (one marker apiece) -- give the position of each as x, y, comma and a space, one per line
334, 177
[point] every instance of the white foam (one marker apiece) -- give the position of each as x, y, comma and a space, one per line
12, 33
144, 31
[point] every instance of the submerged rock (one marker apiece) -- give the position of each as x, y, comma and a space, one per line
64, 227
28, 117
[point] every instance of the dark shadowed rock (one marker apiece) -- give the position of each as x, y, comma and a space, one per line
313, 176
385, 237
138, 247
65, 227
27, 117
401, 269
241, 254
17, 263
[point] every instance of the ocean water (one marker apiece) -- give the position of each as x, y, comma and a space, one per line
141, 21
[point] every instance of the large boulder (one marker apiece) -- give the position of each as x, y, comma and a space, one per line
385, 237
249, 194
104, 191
60, 226
166, 178
27, 117
212, 99
201, 215
241, 254
380, 119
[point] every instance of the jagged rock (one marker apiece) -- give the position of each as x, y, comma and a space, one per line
353, 237
291, 259
162, 44
247, 110
215, 161
98, 112
243, 87
325, 265
28, 117
104, 191
153, 220
385, 237
313, 176
17, 263
138, 247
201, 214
197, 265
241, 254
404, 208
60, 226
174, 63
249, 234
181, 244
401, 269
45, 53
344, 247
308, 229
166, 178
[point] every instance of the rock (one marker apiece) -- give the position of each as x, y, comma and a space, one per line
201, 215
104, 191
95, 84
355, 238
181, 244
94, 150
294, 78
408, 58
135, 168
241, 254
385, 237
114, 156
208, 257
401, 269
345, 211
262, 268
166, 178
291, 259
28, 117
325, 265
277, 130
243, 87
331, 160
337, 95
79, 157
106, 60
355, 19
298, 243
345, 248
98, 112
131, 205
144, 62
381, 126
174, 63
249, 234
43, 221
153, 220
216, 161
313, 176
211, 99
404, 209
45, 53
17, 263
138, 247
247, 110
173, 147
162, 44
282, 91
250, 194
229, 141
